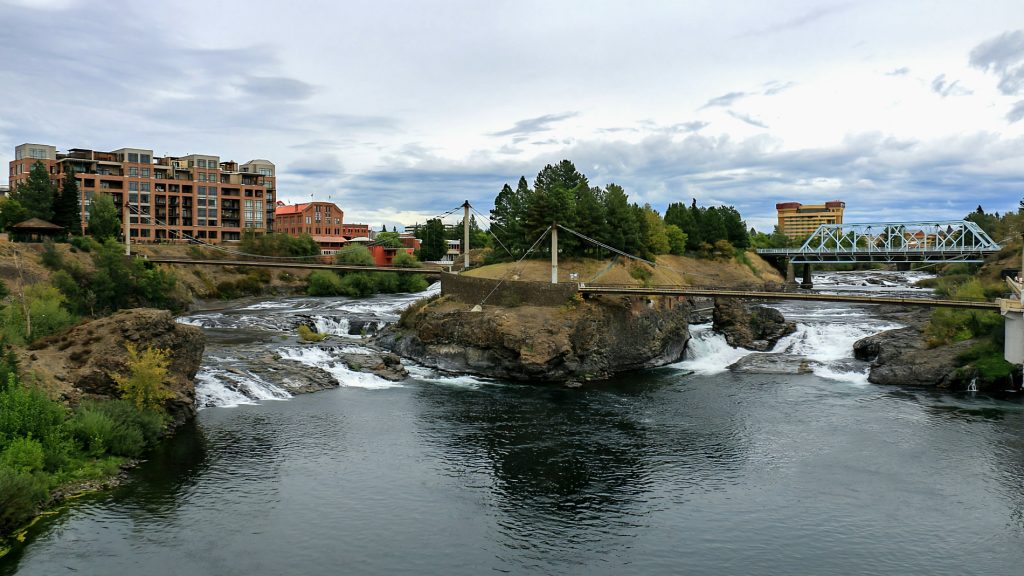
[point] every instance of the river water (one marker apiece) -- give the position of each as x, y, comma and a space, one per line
689, 469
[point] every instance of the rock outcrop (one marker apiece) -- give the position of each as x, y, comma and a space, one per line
79, 363
578, 341
900, 357
751, 327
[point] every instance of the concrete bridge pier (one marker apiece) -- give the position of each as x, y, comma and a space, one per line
790, 273
806, 282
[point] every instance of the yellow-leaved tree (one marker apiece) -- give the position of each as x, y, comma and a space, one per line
146, 383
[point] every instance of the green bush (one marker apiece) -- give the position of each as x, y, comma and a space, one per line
20, 494
324, 283
93, 430
356, 254
51, 257
641, 273
277, 244
149, 423
412, 283
23, 455
358, 285
26, 412
84, 243
404, 259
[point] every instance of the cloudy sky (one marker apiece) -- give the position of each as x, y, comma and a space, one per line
401, 110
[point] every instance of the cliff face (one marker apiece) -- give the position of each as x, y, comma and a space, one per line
578, 341
79, 363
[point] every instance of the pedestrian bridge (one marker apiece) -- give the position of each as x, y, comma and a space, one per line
891, 242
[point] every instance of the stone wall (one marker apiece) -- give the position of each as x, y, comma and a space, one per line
509, 293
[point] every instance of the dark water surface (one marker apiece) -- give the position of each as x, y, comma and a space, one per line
659, 473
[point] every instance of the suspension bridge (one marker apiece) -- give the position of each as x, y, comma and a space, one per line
900, 243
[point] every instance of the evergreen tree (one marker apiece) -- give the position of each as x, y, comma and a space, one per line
678, 215
433, 245
676, 239
103, 220
36, 193
554, 200
591, 219
711, 225
695, 236
67, 205
735, 227
623, 230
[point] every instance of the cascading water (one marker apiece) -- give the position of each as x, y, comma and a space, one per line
266, 328
825, 334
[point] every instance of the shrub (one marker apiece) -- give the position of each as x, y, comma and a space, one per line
93, 430
324, 283
145, 385
20, 494
308, 335
51, 257
26, 412
356, 254
23, 455
641, 273
3, 290
412, 283
84, 243
46, 311
150, 424
358, 285
404, 259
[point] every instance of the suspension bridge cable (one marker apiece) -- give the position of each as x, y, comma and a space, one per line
605, 246
490, 225
513, 268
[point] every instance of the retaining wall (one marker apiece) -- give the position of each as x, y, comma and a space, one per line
508, 293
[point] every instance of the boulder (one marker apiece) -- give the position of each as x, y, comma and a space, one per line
80, 363
579, 341
753, 327
900, 357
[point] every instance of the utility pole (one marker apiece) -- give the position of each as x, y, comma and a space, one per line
465, 233
554, 252
127, 228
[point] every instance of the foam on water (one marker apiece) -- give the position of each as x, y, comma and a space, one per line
312, 356
708, 353
425, 374
226, 388
827, 342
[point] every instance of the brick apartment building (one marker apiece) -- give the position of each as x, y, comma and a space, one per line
171, 198
324, 221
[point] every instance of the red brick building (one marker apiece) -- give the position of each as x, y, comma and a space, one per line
324, 221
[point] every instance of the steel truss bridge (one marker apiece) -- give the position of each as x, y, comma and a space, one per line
894, 242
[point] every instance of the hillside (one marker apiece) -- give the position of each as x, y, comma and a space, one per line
675, 270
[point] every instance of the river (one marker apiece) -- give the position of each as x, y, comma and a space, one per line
688, 469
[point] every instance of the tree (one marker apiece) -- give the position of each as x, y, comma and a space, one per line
676, 239
656, 239
433, 245
67, 206
11, 212
388, 239
590, 217
36, 193
678, 215
735, 227
554, 200
103, 220
146, 383
623, 230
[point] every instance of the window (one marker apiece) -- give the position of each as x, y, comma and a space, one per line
308, 220
133, 172
265, 171
202, 176
212, 190
133, 198
145, 159
201, 163
202, 191
145, 187
133, 157
145, 200
134, 186
145, 172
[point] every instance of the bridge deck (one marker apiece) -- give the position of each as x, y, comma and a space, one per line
309, 265
715, 293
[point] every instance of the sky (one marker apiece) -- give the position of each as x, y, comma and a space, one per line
401, 110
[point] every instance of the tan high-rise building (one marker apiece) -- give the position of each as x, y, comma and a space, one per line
798, 220
169, 198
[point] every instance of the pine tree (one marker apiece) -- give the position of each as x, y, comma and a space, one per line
433, 246
590, 217
67, 205
623, 230
36, 193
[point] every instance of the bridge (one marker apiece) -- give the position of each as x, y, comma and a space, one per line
891, 242
297, 264
900, 243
